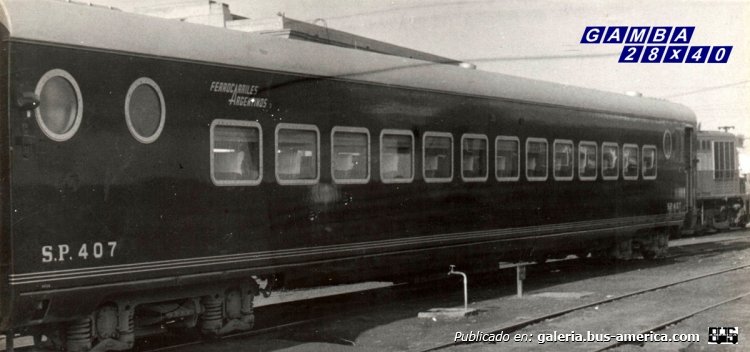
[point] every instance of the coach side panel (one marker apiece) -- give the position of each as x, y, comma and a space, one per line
102, 206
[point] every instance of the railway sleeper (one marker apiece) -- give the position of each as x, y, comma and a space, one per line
115, 325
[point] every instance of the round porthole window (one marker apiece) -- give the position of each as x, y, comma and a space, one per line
667, 144
60, 105
144, 110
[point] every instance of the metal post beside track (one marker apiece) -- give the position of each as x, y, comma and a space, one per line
520, 274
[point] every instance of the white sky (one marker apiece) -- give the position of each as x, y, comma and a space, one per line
540, 39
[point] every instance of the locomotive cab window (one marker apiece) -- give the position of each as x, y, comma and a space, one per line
563, 162
297, 154
60, 105
396, 156
630, 162
350, 150
648, 162
236, 158
437, 157
144, 110
610, 161
474, 157
507, 160
587, 161
536, 159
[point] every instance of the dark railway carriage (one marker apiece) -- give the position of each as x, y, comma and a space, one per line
156, 171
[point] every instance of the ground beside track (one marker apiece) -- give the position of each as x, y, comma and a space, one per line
636, 314
732, 314
393, 326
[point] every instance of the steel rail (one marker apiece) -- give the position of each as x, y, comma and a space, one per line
663, 325
527, 322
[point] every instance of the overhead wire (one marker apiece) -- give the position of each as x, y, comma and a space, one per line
706, 89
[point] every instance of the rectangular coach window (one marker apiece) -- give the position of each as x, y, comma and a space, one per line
563, 162
297, 151
649, 162
536, 159
350, 150
587, 161
396, 156
507, 160
474, 157
236, 158
630, 161
610, 161
437, 156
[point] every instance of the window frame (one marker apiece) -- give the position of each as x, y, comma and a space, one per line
59, 137
526, 156
299, 127
486, 157
437, 179
643, 163
617, 162
518, 161
572, 161
212, 140
724, 159
348, 181
638, 162
596, 157
397, 132
162, 117
668, 147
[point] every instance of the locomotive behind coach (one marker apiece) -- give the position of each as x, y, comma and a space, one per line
721, 197
161, 176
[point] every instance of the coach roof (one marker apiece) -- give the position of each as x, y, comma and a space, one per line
80, 25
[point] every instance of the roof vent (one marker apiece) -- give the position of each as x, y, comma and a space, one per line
468, 66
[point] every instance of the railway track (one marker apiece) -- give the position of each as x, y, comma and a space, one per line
247, 334
662, 325
509, 328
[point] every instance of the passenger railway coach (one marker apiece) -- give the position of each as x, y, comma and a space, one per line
160, 174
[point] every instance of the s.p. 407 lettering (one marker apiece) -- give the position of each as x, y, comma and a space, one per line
85, 251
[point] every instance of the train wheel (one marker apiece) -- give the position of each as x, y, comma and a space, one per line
648, 254
623, 249
603, 256
654, 245
49, 340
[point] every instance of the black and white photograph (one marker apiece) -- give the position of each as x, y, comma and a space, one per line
369, 175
